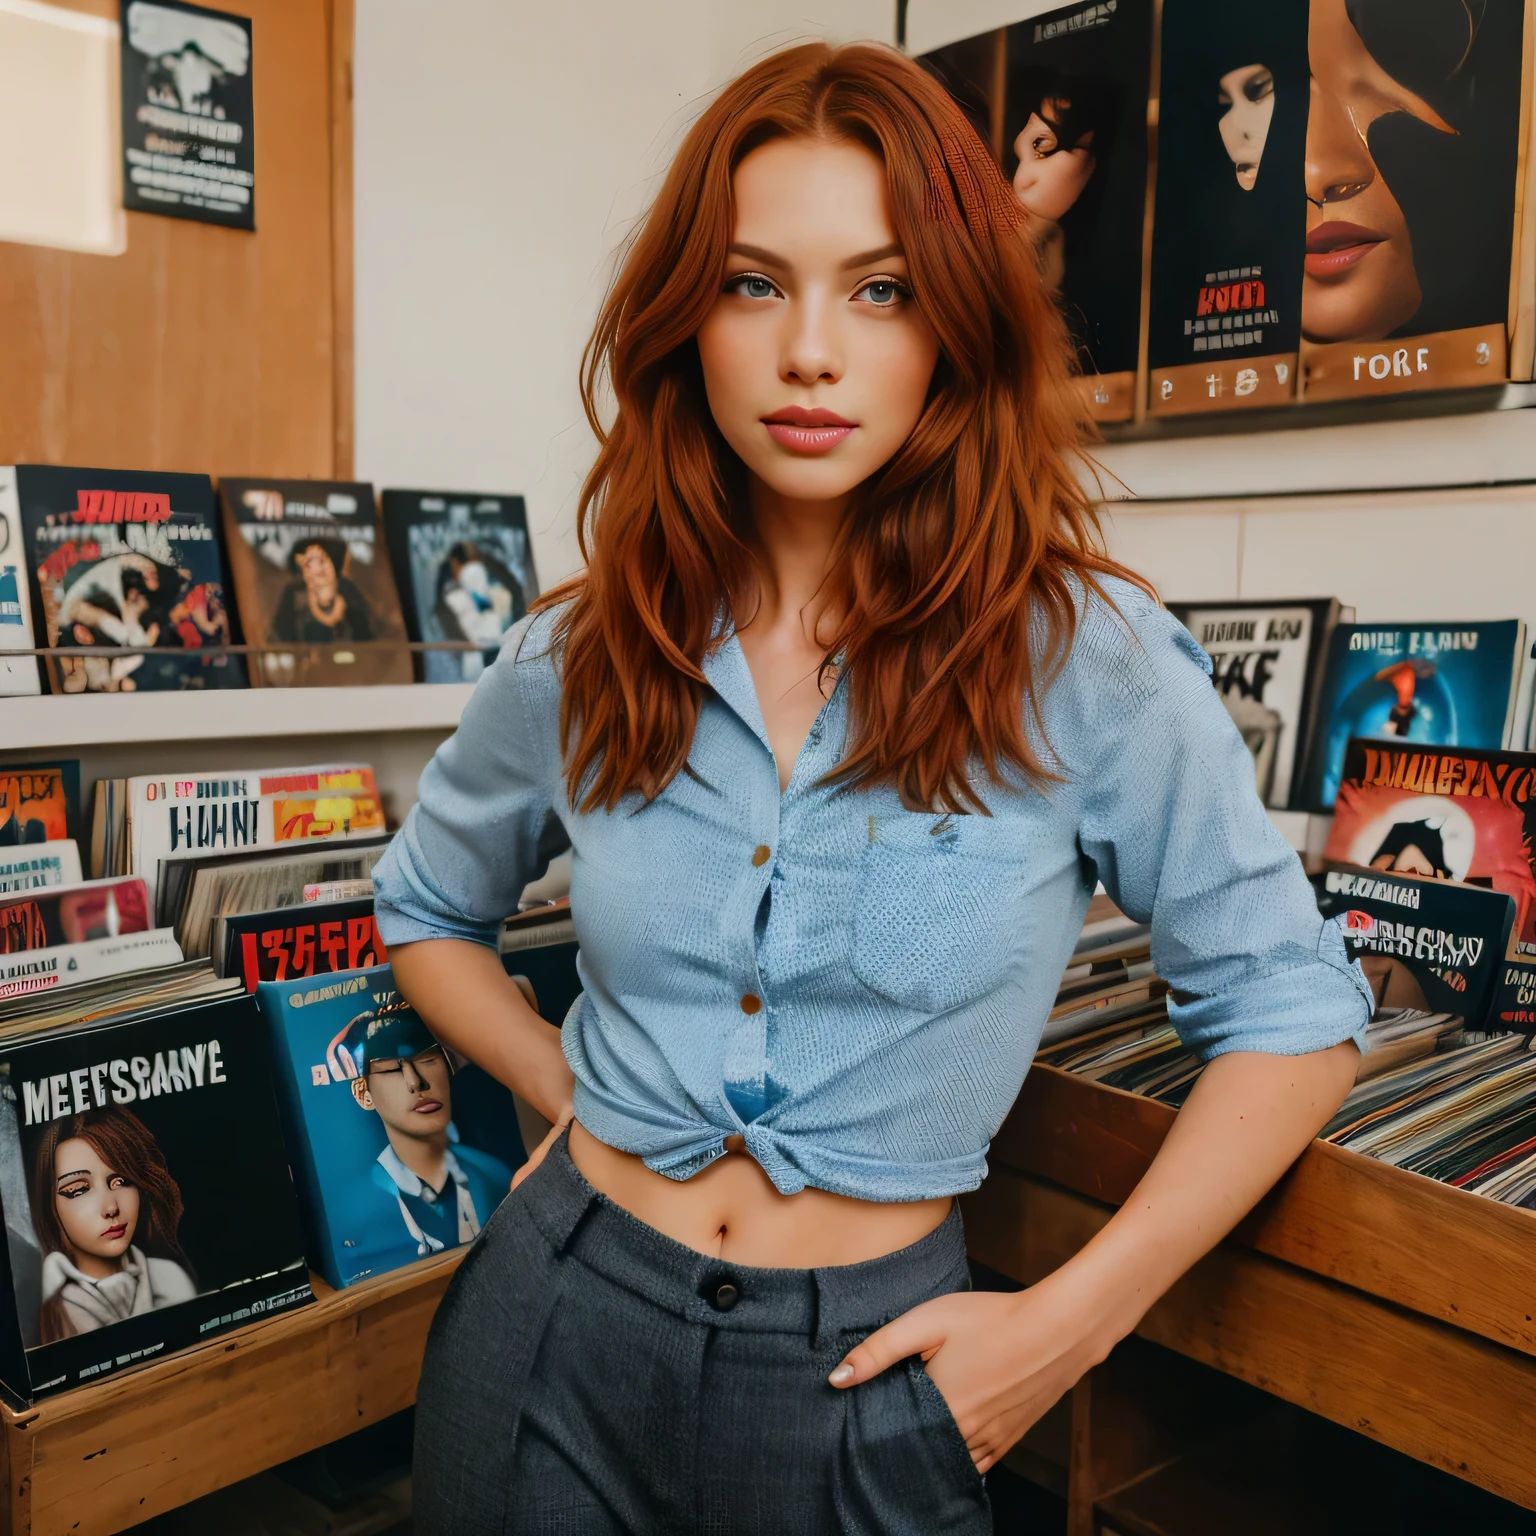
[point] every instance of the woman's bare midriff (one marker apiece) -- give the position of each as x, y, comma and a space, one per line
732, 1211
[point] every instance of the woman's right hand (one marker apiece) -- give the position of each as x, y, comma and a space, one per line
537, 1156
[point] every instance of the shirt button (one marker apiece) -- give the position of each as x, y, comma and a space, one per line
761, 855
751, 1002
726, 1296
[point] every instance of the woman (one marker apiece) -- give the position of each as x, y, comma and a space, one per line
320, 603
105, 1210
843, 720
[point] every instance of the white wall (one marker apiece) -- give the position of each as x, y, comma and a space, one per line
503, 148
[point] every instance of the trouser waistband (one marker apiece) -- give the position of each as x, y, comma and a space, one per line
583, 1223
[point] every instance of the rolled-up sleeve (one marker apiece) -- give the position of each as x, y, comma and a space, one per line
1171, 819
484, 823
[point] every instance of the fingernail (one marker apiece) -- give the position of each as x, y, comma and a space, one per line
842, 1375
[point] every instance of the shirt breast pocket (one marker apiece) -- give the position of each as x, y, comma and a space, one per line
936, 920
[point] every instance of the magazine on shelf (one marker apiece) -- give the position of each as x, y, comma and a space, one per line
145, 1190
1266, 662
1442, 685
1230, 212
130, 559
96, 909
464, 565
310, 568
293, 943
204, 815
39, 802
35, 866
1061, 99
18, 674
402, 1150
1426, 944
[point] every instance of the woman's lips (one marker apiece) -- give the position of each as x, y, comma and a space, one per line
807, 431
1335, 247
426, 1106
112, 1234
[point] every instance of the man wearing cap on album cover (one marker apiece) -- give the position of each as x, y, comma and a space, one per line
443, 1190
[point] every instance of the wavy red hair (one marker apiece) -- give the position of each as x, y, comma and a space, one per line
953, 589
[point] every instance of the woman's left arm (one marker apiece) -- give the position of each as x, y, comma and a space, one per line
1260, 986
1002, 1359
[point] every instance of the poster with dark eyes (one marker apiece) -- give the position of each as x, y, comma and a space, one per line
1062, 100
188, 125
1227, 237
1412, 158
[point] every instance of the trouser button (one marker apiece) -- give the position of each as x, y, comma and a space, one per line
726, 1296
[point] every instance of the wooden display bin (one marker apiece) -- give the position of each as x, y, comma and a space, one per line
99, 1458
1384, 1301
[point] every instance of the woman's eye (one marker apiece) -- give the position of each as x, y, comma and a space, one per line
74, 1191
1044, 147
1223, 99
1261, 86
751, 285
884, 292
117, 1181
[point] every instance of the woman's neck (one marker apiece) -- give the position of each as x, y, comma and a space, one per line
94, 1267
795, 541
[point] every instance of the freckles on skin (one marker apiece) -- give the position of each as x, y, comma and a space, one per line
815, 315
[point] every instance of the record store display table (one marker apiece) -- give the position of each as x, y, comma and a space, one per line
1391, 1304
97, 1459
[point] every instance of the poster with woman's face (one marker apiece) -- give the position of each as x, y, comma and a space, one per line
1228, 243
1062, 100
1411, 161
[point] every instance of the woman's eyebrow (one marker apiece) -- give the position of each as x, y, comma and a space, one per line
863, 259
79, 1173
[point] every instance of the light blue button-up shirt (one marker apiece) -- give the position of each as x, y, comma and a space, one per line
862, 1003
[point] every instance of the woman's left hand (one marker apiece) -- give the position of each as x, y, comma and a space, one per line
1000, 1359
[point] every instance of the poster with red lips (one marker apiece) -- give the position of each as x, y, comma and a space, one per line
1411, 169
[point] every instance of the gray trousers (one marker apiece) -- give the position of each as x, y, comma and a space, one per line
586, 1374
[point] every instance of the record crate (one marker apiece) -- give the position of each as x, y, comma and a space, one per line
1383, 1300
100, 1458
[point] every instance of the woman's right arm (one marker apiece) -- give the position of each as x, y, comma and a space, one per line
469, 1002
483, 826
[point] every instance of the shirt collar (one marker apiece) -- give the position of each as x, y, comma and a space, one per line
406, 1181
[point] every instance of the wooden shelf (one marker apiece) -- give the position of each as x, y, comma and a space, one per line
98, 1459
115, 719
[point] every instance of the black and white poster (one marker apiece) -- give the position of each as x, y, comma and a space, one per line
188, 140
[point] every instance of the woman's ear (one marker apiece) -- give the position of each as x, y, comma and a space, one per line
361, 1094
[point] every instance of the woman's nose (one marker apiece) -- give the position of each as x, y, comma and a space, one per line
812, 354
1338, 164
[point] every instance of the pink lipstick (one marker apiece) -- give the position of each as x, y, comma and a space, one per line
1336, 246
803, 430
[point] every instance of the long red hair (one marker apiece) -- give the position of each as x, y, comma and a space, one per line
954, 586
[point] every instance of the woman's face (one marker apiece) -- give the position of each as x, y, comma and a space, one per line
1050, 178
1248, 97
816, 358
318, 572
97, 1207
1360, 281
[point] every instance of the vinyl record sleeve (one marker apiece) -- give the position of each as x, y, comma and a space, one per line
39, 802
296, 942
354, 1134
18, 674
1412, 163
310, 568
1070, 132
1266, 658
1228, 237
146, 1193
1444, 685
464, 566
127, 558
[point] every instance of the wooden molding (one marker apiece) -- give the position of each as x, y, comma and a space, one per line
341, 19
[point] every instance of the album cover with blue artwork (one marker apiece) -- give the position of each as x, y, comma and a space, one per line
1447, 685
401, 1148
